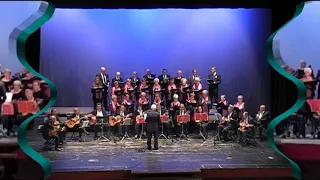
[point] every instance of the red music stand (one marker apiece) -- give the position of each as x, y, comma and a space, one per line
7, 109
164, 120
202, 117
314, 104
183, 119
26, 107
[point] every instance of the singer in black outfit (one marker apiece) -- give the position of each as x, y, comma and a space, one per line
3, 96
214, 86
153, 121
104, 78
318, 80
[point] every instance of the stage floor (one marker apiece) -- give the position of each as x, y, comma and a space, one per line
176, 156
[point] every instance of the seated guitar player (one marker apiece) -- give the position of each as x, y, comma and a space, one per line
138, 127
183, 111
202, 125
229, 122
166, 126
62, 130
262, 119
122, 114
99, 112
246, 126
49, 132
76, 121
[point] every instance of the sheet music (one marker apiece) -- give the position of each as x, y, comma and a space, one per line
9, 97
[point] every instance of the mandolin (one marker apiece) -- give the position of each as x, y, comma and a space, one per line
74, 121
114, 120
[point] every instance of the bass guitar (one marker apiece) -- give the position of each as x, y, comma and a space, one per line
74, 121
114, 120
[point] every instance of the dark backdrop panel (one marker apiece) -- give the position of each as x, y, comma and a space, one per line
75, 43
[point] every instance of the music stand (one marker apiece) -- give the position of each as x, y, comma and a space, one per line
126, 123
7, 109
214, 119
145, 90
102, 137
183, 119
85, 124
141, 121
201, 117
210, 82
164, 120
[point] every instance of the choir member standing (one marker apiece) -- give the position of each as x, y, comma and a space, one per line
117, 79
104, 78
40, 95
193, 77
178, 79
164, 82
3, 96
150, 81
214, 85
97, 91
135, 80
318, 80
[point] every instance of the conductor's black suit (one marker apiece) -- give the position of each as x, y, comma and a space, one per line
153, 121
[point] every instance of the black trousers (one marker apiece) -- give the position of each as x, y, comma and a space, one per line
260, 128
184, 127
117, 130
97, 128
56, 139
62, 136
300, 126
224, 129
105, 99
202, 126
214, 94
242, 134
155, 135
139, 127
315, 124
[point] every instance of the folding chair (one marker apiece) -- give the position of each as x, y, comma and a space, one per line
47, 144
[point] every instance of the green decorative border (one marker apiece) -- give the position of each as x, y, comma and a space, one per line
296, 172
43, 14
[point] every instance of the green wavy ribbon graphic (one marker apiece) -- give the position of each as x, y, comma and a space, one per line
273, 61
43, 14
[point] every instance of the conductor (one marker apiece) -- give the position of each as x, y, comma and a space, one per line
152, 118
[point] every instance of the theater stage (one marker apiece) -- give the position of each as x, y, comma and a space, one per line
173, 156
185, 158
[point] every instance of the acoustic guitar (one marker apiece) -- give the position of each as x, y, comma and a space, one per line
243, 126
114, 120
56, 127
74, 121
138, 118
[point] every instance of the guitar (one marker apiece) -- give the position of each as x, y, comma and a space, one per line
138, 118
74, 121
56, 127
244, 125
114, 120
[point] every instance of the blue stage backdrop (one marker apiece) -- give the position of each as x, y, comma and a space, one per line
12, 14
76, 42
299, 40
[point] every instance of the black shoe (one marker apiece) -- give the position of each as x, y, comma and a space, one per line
149, 149
156, 149
60, 143
57, 149
95, 138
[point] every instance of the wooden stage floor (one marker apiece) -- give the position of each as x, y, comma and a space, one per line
172, 156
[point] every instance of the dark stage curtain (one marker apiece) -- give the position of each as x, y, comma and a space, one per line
33, 50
